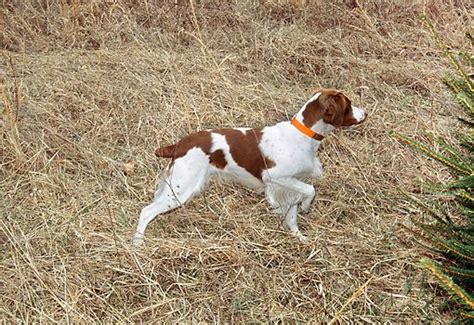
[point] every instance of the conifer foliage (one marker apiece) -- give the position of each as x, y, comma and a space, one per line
450, 234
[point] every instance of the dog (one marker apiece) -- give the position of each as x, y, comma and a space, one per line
270, 159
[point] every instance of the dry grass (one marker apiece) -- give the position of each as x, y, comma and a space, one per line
92, 87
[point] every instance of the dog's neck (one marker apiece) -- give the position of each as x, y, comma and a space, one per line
319, 127
322, 128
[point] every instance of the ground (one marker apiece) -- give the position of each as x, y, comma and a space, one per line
91, 88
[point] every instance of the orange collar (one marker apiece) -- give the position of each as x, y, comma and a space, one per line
306, 130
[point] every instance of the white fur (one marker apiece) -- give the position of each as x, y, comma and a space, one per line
292, 152
243, 130
176, 189
358, 113
322, 128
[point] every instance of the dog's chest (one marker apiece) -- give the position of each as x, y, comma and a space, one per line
292, 152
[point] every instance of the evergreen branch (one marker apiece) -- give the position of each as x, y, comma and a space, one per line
440, 243
437, 188
465, 102
458, 272
459, 168
464, 232
462, 183
417, 235
466, 211
455, 152
468, 123
441, 228
465, 247
467, 57
465, 196
456, 291
468, 314
442, 46
434, 213
468, 141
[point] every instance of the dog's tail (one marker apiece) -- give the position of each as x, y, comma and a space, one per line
170, 151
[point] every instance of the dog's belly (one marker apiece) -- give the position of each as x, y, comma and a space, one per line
239, 175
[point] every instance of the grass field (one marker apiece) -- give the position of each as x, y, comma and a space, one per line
91, 88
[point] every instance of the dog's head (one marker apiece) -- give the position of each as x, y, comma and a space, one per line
333, 108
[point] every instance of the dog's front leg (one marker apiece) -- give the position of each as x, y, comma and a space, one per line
306, 203
317, 169
305, 190
296, 185
291, 223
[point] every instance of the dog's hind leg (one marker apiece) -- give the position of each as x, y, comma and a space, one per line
187, 177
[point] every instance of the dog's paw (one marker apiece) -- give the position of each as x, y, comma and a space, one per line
317, 174
137, 240
279, 211
300, 236
306, 205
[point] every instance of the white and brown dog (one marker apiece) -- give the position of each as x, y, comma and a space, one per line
271, 159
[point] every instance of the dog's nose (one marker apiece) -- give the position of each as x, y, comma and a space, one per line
359, 114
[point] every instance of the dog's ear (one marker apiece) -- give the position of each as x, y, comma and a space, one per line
330, 110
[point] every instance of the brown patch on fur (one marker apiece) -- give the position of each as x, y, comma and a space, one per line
245, 151
332, 106
312, 113
243, 148
217, 158
200, 139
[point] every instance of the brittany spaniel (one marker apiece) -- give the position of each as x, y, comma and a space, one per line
270, 159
